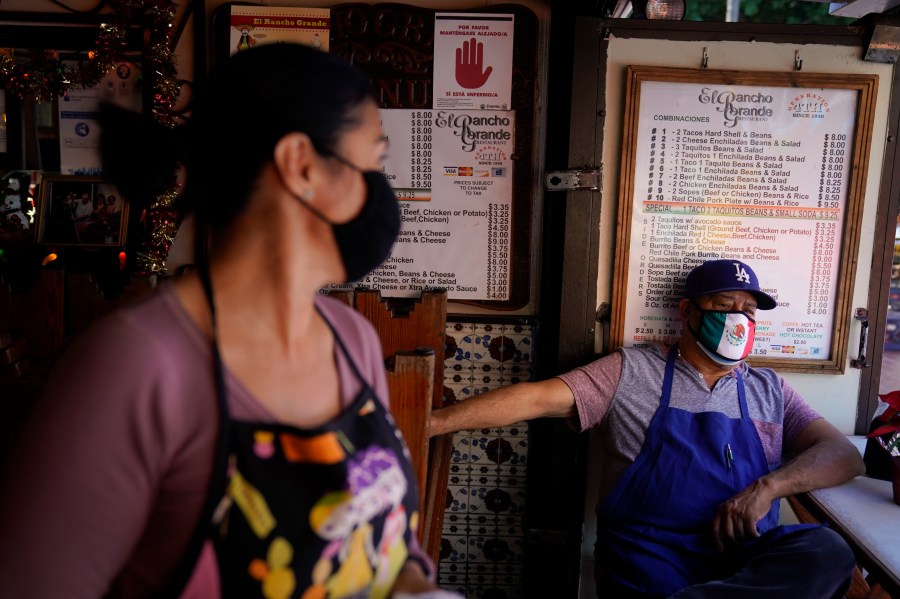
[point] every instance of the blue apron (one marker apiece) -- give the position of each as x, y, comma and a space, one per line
655, 527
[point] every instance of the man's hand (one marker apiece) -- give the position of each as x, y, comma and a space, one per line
736, 519
825, 458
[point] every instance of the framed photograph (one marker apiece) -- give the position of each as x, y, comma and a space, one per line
82, 211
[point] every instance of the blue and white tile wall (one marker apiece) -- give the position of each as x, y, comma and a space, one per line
482, 545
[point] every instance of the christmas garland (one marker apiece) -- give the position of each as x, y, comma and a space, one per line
45, 77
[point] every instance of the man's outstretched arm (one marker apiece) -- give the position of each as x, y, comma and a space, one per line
504, 406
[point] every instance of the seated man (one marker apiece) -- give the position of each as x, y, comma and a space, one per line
694, 448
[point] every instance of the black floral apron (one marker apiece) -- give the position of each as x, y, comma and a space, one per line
313, 513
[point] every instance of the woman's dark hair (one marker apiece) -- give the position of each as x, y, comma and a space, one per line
246, 105
250, 102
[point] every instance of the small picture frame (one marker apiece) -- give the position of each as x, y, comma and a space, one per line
81, 211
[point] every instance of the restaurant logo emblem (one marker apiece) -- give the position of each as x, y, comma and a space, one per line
477, 130
809, 105
736, 107
490, 155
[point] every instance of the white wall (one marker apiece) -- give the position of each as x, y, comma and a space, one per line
834, 396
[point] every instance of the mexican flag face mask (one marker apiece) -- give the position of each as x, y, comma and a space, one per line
726, 337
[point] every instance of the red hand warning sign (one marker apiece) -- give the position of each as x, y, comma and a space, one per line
473, 61
469, 64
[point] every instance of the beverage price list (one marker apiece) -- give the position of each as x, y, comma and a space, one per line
758, 174
452, 172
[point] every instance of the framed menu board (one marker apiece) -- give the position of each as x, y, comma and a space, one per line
767, 168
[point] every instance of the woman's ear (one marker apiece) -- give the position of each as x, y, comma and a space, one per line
293, 157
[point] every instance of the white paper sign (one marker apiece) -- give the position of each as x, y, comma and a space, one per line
452, 171
473, 56
79, 131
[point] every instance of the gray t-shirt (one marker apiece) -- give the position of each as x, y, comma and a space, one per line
621, 392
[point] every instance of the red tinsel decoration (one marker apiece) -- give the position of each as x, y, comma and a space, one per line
45, 78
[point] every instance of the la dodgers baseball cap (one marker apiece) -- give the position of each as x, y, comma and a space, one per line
715, 276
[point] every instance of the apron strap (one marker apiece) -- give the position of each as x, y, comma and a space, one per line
742, 396
344, 351
667, 378
219, 479
218, 370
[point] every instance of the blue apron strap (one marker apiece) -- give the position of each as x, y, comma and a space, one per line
670, 373
742, 396
667, 377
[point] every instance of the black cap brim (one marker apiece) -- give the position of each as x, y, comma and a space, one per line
764, 301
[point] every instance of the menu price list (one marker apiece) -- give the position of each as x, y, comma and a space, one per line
423, 258
408, 164
498, 251
420, 140
773, 197
452, 173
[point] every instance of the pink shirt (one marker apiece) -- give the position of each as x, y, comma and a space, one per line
110, 478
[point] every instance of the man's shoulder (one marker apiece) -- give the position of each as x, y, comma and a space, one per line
605, 367
765, 393
765, 376
651, 356
611, 365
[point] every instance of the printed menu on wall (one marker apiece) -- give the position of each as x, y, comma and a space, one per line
452, 172
763, 173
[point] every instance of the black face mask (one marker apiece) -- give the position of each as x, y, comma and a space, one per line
366, 240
